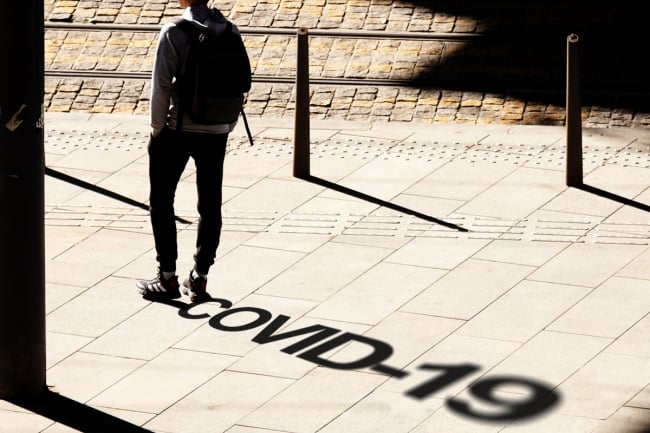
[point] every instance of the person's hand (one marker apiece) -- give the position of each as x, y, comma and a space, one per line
154, 133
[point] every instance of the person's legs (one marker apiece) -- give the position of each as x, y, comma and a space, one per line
208, 152
167, 159
168, 156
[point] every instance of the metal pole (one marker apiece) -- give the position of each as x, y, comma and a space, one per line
573, 115
22, 233
301, 138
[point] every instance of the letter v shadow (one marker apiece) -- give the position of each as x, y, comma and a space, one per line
615, 197
75, 415
380, 202
98, 189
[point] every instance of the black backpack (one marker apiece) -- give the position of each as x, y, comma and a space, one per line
216, 77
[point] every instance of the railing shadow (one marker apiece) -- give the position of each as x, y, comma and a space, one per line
98, 189
380, 202
615, 197
76, 415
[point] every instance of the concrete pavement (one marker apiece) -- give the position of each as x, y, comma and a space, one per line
425, 279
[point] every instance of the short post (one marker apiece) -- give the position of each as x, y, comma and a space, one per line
301, 133
573, 115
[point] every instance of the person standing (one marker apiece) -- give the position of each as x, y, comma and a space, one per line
170, 148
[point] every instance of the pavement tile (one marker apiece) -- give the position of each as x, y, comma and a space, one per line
311, 278
315, 395
244, 429
441, 252
409, 335
634, 217
61, 346
516, 195
626, 182
59, 192
638, 268
550, 357
58, 294
220, 403
131, 181
626, 420
105, 252
272, 194
299, 242
586, 265
96, 159
23, 422
376, 294
452, 351
234, 276
554, 421
385, 178
521, 253
460, 179
83, 375
642, 399
635, 340
87, 315
467, 289
338, 204
447, 421
383, 411
390, 242
245, 168
523, 311
144, 335
433, 207
609, 310
144, 391
603, 385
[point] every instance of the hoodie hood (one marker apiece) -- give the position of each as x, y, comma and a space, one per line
209, 20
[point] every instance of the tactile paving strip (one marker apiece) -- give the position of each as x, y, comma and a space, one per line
343, 146
333, 224
63, 142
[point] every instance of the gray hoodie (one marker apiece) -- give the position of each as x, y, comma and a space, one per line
171, 53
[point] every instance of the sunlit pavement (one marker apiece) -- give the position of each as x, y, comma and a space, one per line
423, 278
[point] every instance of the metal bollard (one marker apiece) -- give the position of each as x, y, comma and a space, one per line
301, 131
573, 115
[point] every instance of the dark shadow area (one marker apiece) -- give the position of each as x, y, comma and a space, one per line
377, 201
98, 189
76, 415
523, 53
614, 197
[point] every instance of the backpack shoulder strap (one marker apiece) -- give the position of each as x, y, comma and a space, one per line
192, 32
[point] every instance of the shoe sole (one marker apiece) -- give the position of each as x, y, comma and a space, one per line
147, 294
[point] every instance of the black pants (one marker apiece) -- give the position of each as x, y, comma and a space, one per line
169, 153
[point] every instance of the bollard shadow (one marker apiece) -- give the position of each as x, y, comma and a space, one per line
380, 202
76, 415
615, 197
103, 191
